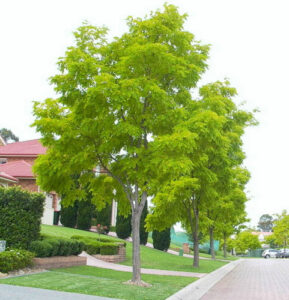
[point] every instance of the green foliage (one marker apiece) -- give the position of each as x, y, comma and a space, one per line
271, 240
109, 249
162, 239
123, 226
246, 241
21, 214
265, 223
103, 217
142, 230
68, 215
85, 209
8, 135
53, 246
281, 229
15, 259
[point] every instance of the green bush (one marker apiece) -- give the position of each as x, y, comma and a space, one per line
56, 247
123, 226
68, 215
109, 249
97, 238
15, 259
41, 248
85, 209
162, 239
21, 213
103, 217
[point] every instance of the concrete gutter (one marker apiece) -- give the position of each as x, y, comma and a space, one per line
199, 288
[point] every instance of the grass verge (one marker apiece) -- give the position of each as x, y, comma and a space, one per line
102, 282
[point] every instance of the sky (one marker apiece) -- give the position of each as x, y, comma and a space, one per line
249, 46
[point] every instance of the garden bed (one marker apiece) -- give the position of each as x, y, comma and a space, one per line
119, 257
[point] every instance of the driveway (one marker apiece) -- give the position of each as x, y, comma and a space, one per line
254, 279
12, 292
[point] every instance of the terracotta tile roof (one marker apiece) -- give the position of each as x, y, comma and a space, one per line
5, 176
27, 148
19, 168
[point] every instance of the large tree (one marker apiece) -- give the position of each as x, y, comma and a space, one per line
116, 100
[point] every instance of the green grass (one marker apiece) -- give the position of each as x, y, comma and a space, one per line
150, 258
229, 257
102, 282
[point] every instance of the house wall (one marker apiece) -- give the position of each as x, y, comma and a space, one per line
30, 160
28, 184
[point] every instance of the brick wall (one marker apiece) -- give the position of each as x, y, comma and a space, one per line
120, 257
59, 262
28, 184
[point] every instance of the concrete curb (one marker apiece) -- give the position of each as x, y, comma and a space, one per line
196, 290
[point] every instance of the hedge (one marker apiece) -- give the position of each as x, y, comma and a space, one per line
123, 226
162, 239
93, 246
21, 213
56, 247
15, 260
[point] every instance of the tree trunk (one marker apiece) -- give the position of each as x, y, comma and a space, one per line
196, 239
136, 278
212, 249
225, 246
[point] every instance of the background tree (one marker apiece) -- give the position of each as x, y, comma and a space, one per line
162, 239
281, 229
246, 241
84, 214
115, 100
265, 223
123, 226
8, 135
143, 233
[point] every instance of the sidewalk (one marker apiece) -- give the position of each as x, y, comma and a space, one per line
12, 292
94, 262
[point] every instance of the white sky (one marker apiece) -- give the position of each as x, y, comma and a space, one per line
250, 46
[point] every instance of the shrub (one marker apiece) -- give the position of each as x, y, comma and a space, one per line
142, 231
103, 217
97, 239
21, 213
41, 248
85, 209
162, 239
123, 226
15, 260
56, 247
68, 215
109, 249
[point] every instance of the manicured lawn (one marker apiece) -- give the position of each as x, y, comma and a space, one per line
102, 282
150, 258
229, 257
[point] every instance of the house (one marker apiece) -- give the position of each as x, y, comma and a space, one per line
16, 161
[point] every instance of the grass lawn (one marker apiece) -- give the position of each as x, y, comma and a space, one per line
102, 282
229, 257
150, 258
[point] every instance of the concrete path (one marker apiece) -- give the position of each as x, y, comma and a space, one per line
254, 279
91, 261
12, 292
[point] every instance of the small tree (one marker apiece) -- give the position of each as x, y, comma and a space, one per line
123, 226
162, 239
281, 230
103, 217
142, 231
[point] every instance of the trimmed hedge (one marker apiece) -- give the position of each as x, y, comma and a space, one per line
93, 246
15, 259
21, 213
56, 247
68, 215
123, 226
